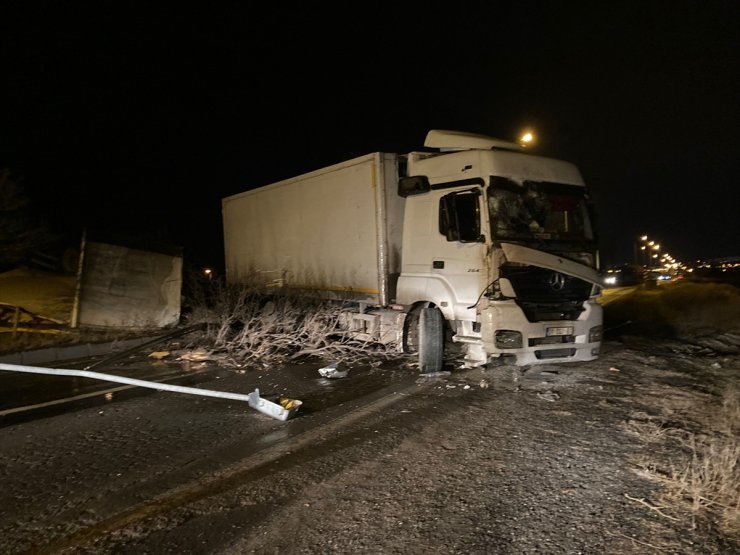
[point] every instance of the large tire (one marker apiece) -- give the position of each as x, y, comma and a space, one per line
411, 332
431, 340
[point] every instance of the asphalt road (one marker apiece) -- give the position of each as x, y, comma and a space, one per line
137, 444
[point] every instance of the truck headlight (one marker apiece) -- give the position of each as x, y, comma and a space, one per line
508, 339
595, 334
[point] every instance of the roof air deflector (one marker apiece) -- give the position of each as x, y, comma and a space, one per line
446, 140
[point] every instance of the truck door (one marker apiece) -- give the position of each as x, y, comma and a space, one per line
444, 251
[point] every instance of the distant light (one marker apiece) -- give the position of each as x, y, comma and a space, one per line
208, 273
643, 238
526, 139
610, 280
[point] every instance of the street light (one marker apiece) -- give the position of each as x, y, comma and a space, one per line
643, 257
526, 138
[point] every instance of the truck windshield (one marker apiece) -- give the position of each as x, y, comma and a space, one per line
540, 211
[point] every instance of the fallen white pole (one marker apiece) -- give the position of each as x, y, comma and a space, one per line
121, 379
255, 401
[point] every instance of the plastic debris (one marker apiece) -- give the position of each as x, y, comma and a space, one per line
280, 410
548, 396
334, 370
196, 356
440, 374
288, 404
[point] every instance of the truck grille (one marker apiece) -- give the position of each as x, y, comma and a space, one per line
555, 353
546, 294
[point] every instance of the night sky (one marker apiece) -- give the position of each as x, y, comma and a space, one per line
138, 120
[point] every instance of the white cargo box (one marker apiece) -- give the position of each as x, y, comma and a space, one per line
337, 229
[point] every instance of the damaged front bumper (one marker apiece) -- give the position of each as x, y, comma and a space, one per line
506, 331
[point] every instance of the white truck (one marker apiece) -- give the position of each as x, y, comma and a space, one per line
473, 240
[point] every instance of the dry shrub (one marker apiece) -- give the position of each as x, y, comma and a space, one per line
255, 324
646, 428
681, 309
705, 478
708, 480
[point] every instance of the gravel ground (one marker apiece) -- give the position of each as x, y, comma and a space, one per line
537, 462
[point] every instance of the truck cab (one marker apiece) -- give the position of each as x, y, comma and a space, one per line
501, 245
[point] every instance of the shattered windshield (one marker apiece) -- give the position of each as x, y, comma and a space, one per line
538, 211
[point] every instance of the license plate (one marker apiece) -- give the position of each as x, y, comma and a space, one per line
559, 331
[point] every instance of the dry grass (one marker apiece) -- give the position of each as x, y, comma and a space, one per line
680, 309
253, 324
647, 428
705, 478
708, 480
694, 307
700, 430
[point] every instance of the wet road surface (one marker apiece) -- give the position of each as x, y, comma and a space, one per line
29, 396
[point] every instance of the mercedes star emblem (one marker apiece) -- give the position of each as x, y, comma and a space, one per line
556, 281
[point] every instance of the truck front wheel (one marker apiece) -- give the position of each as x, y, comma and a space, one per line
424, 334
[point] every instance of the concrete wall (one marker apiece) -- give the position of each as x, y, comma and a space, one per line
121, 287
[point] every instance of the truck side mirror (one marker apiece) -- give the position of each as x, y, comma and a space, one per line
414, 185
